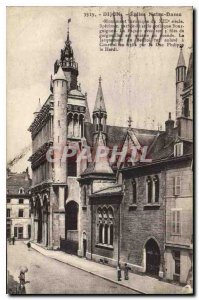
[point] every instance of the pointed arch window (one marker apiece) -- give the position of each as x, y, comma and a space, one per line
134, 191
106, 234
84, 196
21, 190
149, 189
111, 234
100, 233
156, 188
105, 226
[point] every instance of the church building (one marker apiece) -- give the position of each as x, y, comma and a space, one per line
111, 211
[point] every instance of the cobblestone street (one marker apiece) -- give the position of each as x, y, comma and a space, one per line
47, 276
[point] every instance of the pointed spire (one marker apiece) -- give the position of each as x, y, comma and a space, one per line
181, 61
99, 102
101, 164
59, 75
87, 114
68, 39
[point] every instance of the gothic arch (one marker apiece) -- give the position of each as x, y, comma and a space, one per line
71, 213
152, 256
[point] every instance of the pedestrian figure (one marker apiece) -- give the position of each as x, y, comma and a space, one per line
29, 245
119, 273
126, 272
13, 240
22, 280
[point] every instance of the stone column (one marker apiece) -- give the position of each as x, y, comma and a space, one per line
32, 227
50, 241
62, 211
36, 230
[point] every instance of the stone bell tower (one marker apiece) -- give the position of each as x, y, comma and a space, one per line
68, 64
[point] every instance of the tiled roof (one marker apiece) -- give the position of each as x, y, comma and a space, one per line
76, 93
110, 190
15, 181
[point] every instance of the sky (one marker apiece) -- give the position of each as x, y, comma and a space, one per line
136, 82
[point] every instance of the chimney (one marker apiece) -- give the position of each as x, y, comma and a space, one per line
169, 126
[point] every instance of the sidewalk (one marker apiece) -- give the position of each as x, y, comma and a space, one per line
142, 284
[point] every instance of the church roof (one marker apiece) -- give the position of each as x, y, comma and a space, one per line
112, 190
99, 102
181, 61
100, 165
59, 75
189, 77
116, 135
76, 93
87, 114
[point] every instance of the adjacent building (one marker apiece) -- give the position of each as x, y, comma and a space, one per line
18, 222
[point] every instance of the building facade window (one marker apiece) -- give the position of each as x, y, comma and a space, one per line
8, 200
20, 213
134, 192
105, 226
21, 201
186, 108
8, 213
178, 149
156, 186
149, 188
176, 221
177, 186
84, 196
21, 190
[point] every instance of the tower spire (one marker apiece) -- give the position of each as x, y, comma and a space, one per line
68, 39
67, 62
99, 112
99, 102
181, 61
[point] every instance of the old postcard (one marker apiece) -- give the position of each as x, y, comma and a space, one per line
99, 150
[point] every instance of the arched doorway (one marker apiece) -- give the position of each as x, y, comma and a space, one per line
152, 257
70, 244
71, 215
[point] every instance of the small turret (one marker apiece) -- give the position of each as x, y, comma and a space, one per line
169, 126
180, 79
38, 108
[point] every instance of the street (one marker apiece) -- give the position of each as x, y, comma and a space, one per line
48, 276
